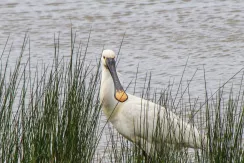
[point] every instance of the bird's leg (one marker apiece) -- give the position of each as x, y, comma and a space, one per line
146, 148
148, 158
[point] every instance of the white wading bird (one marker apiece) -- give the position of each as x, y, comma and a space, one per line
145, 123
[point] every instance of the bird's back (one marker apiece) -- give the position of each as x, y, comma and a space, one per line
142, 120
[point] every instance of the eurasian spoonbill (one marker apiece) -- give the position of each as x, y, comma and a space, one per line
140, 120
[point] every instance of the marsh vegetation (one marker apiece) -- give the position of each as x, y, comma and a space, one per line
54, 115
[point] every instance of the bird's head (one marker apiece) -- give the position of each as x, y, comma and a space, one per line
108, 61
107, 55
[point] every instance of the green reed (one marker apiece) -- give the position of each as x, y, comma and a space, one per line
53, 115
56, 114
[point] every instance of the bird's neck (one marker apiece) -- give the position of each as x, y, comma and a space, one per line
107, 98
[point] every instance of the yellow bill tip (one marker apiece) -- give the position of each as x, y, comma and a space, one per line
121, 96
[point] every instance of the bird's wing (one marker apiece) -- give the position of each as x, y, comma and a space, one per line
148, 121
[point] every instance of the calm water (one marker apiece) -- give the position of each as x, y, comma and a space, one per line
159, 36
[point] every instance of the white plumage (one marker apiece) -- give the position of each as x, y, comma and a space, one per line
141, 121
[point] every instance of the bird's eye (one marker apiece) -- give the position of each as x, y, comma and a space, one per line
103, 57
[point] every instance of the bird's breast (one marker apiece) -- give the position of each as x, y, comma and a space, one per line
107, 99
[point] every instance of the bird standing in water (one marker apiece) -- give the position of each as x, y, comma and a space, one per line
145, 123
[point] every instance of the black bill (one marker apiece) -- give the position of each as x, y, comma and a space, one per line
119, 92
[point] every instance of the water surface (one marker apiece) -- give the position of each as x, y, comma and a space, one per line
160, 36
